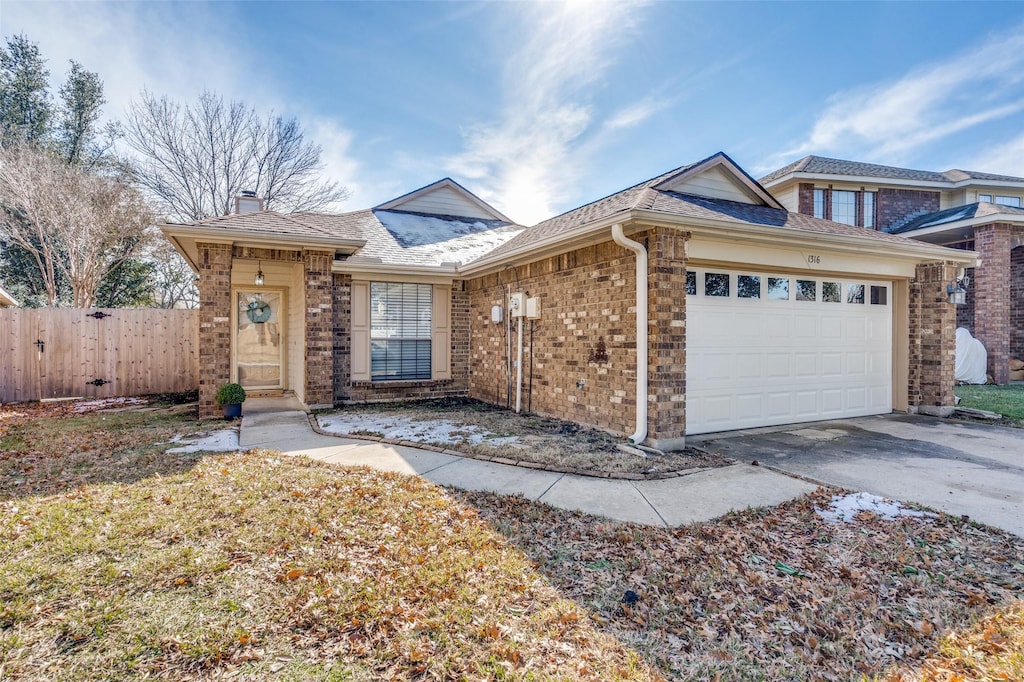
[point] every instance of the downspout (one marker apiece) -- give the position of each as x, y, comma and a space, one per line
641, 330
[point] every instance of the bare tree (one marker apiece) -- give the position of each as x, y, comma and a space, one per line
177, 284
74, 224
196, 158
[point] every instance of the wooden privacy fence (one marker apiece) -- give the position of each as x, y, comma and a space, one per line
69, 352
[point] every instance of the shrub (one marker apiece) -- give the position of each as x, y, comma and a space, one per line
230, 394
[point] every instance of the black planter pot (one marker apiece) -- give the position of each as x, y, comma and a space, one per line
232, 411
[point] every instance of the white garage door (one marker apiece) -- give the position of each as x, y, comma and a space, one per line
764, 349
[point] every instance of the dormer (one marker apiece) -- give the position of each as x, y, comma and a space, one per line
444, 198
718, 177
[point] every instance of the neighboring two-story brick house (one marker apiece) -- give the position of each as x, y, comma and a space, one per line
983, 212
688, 303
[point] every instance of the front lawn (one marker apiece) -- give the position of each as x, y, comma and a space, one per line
1005, 400
256, 566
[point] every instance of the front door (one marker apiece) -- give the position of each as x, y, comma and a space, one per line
259, 339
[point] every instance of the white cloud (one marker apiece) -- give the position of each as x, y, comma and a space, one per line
339, 164
526, 162
887, 122
637, 113
1006, 158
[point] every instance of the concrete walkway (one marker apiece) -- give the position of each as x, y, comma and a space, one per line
668, 502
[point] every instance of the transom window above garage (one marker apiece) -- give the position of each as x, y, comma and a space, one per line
714, 284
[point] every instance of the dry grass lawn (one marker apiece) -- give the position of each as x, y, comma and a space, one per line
134, 564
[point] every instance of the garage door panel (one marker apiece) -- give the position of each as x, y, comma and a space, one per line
749, 407
777, 365
807, 404
762, 362
749, 365
831, 364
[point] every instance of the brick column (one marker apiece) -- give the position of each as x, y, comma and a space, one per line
932, 340
342, 337
666, 371
214, 263
992, 297
319, 289
805, 198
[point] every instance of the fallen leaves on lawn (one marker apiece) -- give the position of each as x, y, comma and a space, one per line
770, 593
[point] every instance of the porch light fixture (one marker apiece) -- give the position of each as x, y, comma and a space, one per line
259, 274
957, 289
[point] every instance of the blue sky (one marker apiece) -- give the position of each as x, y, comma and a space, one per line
539, 108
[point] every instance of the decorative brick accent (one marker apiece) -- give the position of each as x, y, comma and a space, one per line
932, 340
342, 337
897, 206
214, 262
666, 299
1017, 301
345, 390
319, 290
588, 302
805, 198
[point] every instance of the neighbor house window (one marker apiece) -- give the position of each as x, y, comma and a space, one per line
400, 331
985, 197
869, 209
819, 203
844, 207
1008, 201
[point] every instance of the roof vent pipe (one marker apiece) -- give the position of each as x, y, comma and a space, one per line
641, 331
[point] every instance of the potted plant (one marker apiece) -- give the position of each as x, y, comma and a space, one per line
230, 397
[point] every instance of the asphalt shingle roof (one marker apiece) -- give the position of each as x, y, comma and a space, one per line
826, 166
645, 196
270, 223
980, 209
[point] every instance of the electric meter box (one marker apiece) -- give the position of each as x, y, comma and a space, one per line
517, 304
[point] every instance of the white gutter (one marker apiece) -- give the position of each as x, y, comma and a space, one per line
641, 330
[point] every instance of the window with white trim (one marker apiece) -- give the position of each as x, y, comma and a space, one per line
400, 331
1008, 201
844, 206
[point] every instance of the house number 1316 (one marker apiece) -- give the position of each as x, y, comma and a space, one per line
814, 260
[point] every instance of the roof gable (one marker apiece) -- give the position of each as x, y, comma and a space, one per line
444, 197
718, 177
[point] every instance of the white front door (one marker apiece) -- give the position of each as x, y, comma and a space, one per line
765, 349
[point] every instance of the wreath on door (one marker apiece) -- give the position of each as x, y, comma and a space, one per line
258, 311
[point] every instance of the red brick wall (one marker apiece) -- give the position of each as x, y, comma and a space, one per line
667, 316
342, 339
805, 198
932, 340
214, 261
897, 206
588, 302
319, 317
1017, 303
992, 297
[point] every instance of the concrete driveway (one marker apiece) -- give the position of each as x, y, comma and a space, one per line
957, 467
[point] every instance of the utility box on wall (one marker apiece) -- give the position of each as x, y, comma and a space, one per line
533, 308
517, 304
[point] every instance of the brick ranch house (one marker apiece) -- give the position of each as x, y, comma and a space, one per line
740, 312
981, 212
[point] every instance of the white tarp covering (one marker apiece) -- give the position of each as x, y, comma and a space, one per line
971, 359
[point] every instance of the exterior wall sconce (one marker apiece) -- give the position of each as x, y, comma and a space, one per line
957, 289
259, 275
